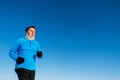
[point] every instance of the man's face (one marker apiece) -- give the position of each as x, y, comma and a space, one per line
31, 32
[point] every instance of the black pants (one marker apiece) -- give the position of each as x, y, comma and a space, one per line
24, 74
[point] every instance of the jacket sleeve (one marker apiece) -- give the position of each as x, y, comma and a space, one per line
14, 49
39, 51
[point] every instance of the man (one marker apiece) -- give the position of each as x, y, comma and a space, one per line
24, 52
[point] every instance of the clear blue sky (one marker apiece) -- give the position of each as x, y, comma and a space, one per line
80, 39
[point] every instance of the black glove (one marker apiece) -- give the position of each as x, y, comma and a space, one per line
20, 60
39, 54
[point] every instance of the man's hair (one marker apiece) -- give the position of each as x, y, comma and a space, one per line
29, 27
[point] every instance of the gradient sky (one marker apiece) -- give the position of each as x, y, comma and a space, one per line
79, 38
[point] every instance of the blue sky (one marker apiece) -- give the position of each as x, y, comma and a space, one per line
79, 38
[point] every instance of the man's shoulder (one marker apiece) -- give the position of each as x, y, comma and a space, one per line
20, 39
36, 42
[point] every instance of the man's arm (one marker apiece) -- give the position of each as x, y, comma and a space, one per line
13, 51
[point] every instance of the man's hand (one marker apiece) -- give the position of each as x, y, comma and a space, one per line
39, 54
20, 60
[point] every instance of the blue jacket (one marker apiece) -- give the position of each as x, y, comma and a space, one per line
26, 49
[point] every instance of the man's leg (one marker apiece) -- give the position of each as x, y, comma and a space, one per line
31, 75
22, 74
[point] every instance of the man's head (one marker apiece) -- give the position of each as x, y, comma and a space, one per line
30, 32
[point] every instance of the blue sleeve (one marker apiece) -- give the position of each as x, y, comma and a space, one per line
39, 49
39, 52
13, 51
